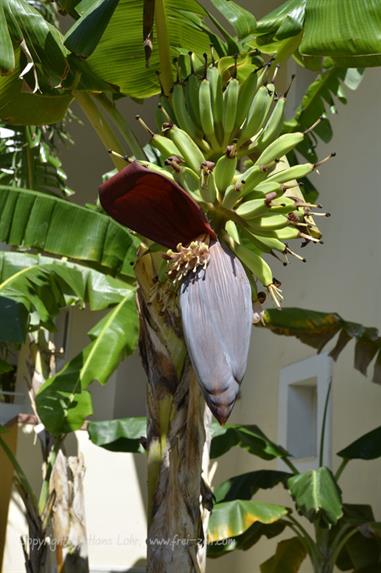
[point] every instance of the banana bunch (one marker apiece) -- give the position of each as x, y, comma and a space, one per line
221, 140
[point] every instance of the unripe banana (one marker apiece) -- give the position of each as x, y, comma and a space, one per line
166, 147
267, 187
290, 173
268, 244
287, 234
208, 187
231, 229
183, 117
251, 177
157, 169
281, 146
274, 125
230, 109
246, 94
192, 87
224, 171
187, 147
257, 115
190, 181
252, 209
255, 263
269, 223
217, 98
248, 91
231, 196
206, 112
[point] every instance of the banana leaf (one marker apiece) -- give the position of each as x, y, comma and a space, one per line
348, 33
232, 518
288, 558
41, 42
121, 42
33, 289
64, 401
317, 329
33, 220
317, 496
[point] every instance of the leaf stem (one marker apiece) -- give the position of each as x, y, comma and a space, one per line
289, 463
166, 78
122, 125
341, 468
324, 424
102, 128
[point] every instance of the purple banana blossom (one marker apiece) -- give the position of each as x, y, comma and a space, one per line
215, 293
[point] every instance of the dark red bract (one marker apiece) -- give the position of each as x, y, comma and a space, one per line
154, 206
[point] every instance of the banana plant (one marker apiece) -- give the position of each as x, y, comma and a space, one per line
207, 200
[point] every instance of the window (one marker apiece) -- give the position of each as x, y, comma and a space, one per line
303, 388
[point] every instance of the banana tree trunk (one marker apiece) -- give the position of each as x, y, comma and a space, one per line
178, 440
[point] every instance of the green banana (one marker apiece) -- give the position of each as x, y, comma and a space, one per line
257, 114
252, 209
230, 109
251, 177
166, 147
247, 92
274, 125
286, 234
268, 223
281, 146
190, 152
183, 117
190, 181
231, 196
224, 171
157, 169
232, 231
208, 187
255, 263
268, 244
206, 112
217, 98
290, 173
192, 87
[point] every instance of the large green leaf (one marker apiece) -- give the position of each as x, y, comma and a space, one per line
64, 402
232, 518
318, 102
19, 106
122, 44
84, 35
242, 21
349, 32
31, 32
317, 328
247, 539
124, 435
34, 220
317, 496
43, 285
288, 558
368, 447
249, 437
244, 486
